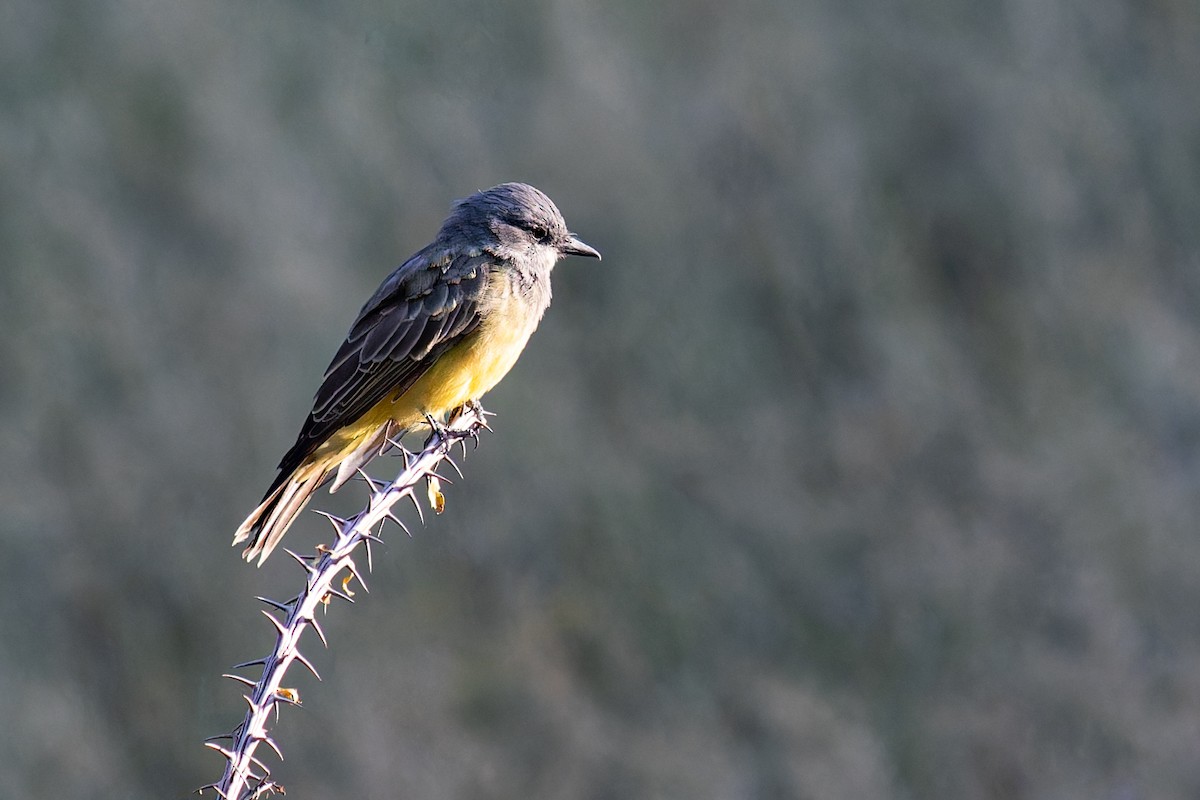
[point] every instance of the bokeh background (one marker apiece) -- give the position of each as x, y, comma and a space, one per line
865, 465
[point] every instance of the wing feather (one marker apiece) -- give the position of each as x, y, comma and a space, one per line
419, 311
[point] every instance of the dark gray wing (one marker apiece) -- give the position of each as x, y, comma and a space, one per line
420, 310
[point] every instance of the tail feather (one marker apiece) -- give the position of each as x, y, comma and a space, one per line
370, 447
267, 524
301, 472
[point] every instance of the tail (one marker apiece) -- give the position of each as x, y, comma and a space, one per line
267, 524
301, 472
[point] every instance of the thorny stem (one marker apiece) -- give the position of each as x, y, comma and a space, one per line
246, 777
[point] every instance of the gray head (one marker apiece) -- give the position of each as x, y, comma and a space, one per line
515, 219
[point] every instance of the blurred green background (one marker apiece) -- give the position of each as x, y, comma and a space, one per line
864, 466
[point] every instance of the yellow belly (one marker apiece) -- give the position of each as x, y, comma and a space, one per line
465, 372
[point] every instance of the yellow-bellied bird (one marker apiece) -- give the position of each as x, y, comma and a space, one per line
440, 331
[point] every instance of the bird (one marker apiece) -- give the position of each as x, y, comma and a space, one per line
440, 331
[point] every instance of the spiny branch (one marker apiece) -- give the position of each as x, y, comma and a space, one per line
246, 777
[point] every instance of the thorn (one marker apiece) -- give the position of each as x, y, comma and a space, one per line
300, 657
222, 750
258, 662
279, 626
284, 607
367, 537
389, 514
405, 453
251, 784
265, 788
240, 679
354, 571
320, 633
340, 594
218, 737
259, 763
337, 522
269, 742
420, 511
303, 561
215, 788
371, 482
432, 473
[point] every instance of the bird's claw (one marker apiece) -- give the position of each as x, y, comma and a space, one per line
435, 425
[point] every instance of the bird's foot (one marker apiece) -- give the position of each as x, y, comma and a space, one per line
436, 426
477, 409
474, 408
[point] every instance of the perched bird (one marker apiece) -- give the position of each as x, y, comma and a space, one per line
440, 331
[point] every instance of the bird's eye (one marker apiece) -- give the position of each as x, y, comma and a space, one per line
540, 233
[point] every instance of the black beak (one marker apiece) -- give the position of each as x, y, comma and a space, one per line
574, 247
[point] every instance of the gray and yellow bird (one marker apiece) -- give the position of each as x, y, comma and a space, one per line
440, 331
